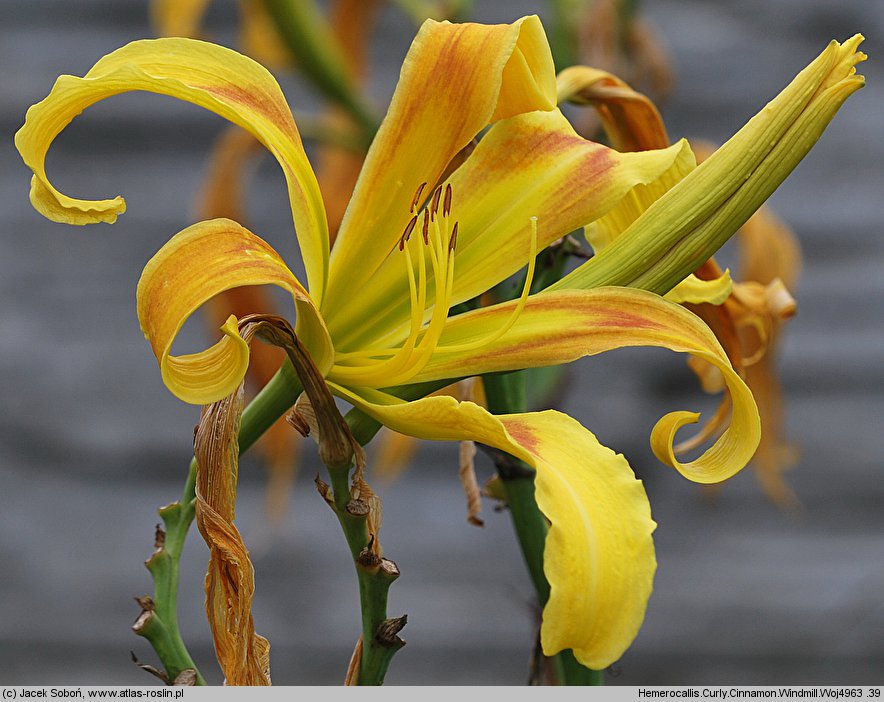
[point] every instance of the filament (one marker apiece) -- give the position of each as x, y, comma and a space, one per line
389, 366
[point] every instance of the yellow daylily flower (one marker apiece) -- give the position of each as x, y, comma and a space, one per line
745, 315
414, 243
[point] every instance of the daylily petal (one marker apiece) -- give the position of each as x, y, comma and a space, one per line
456, 79
628, 117
695, 291
196, 264
207, 75
533, 165
601, 231
223, 196
768, 250
599, 555
560, 327
682, 229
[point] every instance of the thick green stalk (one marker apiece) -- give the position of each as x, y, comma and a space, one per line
420, 10
374, 575
506, 393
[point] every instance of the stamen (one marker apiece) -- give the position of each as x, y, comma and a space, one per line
426, 228
376, 367
434, 208
406, 235
517, 310
417, 197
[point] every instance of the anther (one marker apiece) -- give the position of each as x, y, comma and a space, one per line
417, 197
434, 208
426, 228
452, 242
446, 206
407, 233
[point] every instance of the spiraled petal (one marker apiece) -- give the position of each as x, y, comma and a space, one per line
560, 327
213, 77
194, 266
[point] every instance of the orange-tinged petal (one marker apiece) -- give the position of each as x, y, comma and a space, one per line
768, 249
537, 165
599, 555
533, 165
560, 327
195, 265
628, 117
456, 79
213, 77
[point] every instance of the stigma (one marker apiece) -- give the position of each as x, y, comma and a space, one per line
429, 266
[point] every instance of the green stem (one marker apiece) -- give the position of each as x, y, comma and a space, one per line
419, 10
374, 575
159, 625
159, 620
506, 393
272, 402
305, 32
379, 640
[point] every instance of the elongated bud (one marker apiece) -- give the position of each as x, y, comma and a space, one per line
691, 221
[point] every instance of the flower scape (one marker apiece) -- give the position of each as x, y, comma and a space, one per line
472, 174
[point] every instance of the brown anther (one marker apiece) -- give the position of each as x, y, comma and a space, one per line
434, 207
426, 228
406, 235
452, 242
446, 204
417, 196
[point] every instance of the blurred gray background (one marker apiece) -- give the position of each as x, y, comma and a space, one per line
91, 443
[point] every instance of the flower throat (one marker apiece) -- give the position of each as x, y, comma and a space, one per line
429, 234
